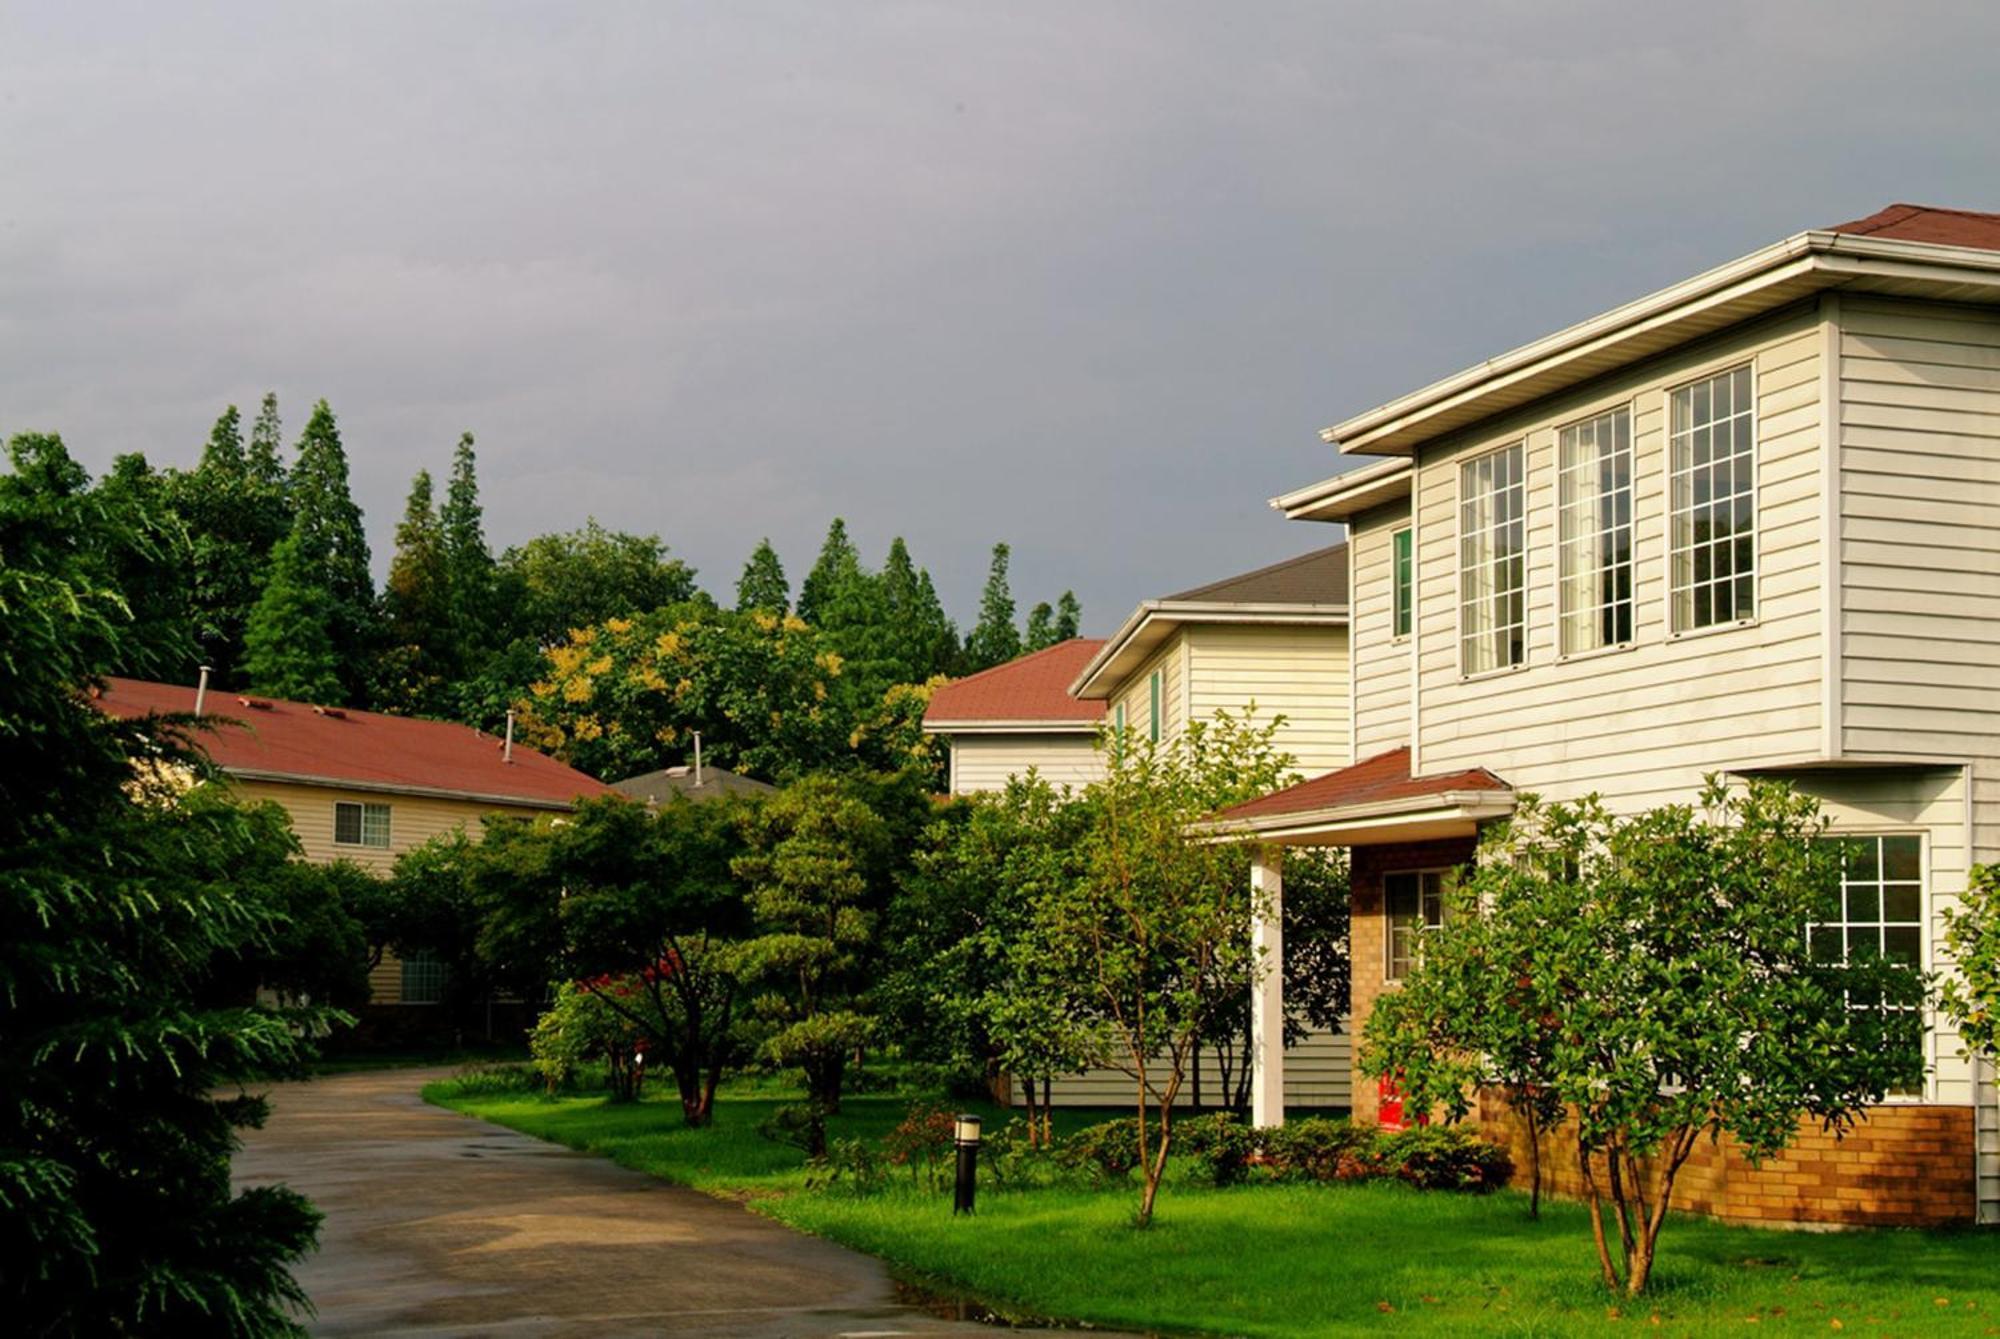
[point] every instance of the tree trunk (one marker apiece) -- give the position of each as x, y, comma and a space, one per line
1610, 1271
1195, 1091
1154, 1169
1534, 1164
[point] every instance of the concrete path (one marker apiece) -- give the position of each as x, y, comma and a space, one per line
441, 1225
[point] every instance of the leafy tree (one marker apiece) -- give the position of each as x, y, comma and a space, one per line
158, 593
289, 643
579, 579
333, 550
417, 609
1146, 949
763, 585
471, 576
625, 696
817, 863
891, 738
1652, 975
639, 909
994, 640
839, 562
1041, 628
1069, 617
123, 891
1971, 996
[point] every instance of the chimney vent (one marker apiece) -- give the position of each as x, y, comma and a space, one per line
507, 750
201, 691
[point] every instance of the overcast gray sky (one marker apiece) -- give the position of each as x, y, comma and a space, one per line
1085, 277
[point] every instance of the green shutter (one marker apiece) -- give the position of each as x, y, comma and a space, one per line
1401, 540
1153, 685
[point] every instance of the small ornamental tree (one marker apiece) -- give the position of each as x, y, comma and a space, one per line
1148, 945
1971, 996
1651, 976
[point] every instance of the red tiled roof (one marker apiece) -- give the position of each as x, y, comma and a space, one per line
1924, 223
1386, 776
291, 739
1034, 687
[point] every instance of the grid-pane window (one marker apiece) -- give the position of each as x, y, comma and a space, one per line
1492, 565
423, 979
1881, 907
361, 824
1412, 902
1713, 540
1405, 577
1594, 523
1153, 687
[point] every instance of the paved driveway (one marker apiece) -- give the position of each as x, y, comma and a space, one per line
440, 1225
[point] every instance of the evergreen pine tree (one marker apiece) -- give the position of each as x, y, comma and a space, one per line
470, 572
994, 640
838, 561
233, 518
416, 608
924, 639
327, 525
222, 458
289, 646
262, 461
1069, 617
1041, 627
763, 585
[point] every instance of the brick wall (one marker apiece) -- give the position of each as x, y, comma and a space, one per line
1904, 1166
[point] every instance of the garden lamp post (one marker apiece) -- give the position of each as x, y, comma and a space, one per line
965, 1135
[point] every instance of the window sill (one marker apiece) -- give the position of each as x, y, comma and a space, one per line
1500, 673
1597, 652
1714, 630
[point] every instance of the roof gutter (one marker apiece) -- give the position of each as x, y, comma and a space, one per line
1015, 727
1470, 806
1348, 493
397, 788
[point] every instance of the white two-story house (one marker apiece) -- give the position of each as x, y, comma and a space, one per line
1749, 524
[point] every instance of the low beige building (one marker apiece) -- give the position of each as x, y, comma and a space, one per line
360, 786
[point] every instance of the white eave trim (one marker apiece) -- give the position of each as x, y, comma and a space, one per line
1829, 257
1468, 806
996, 727
1168, 615
1345, 495
397, 788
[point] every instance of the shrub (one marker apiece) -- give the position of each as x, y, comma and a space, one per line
923, 1142
1110, 1151
495, 1080
1319, 1149
1442, 1157
1218, 1147
802, 1125
851, 1165
1014, 1160
578, 1027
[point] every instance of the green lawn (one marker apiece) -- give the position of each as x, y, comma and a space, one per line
1293, 1259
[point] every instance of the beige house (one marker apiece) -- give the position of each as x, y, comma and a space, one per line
1020, 717
363, 787
1748, 524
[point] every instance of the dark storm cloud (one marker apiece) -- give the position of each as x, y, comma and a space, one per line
1088, 278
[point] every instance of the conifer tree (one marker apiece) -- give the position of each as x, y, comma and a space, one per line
763, 585
994, 640
222, 457
416, 607
233, 519
470, 572
1041, 628
262, 462
923, 639
289, 646
838, 562
334, 548
1069, 617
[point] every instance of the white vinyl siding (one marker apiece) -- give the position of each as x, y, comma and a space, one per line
1492, 561
1381, 660
987, 762
1318, 1074
1156, 680
1300, 673
1594, 532
1712, 546
1642, 726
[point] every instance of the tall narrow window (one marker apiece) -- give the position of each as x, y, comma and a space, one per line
1412, 902
1881, 913
360, 824
1594, 524
1118, 731
1713, 550
1153, 686
1492, 565
1405, 576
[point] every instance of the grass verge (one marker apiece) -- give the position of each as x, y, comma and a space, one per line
1306, 1260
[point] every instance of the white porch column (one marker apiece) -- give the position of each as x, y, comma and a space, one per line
1267, 997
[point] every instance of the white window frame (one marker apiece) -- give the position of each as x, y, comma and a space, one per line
424, 964
1402, 601
1520, 448
368, 809
1675, 629
1926, 1091
1630, 410
1389, 973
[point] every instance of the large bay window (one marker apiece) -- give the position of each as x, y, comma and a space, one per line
1712, 540
1492, 575
1594, 532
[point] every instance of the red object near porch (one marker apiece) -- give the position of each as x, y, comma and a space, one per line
1389, 1107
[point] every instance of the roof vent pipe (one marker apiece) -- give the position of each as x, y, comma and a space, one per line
507, 750
697, 760
201, 691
